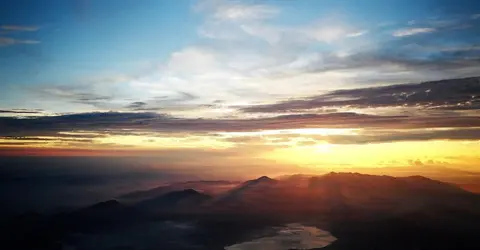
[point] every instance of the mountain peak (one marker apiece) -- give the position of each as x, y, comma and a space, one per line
174, 198
256, 186
418, 177
105, 204
265, 178
345, 174
190, 191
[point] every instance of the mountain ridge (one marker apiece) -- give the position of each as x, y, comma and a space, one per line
358, 209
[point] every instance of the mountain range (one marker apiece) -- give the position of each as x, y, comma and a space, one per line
361, 210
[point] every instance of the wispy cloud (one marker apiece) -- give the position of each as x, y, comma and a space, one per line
475, 16
411, 32
6, 41
358, 33
19, 28
361, 136
327, 33
245, 12
83, 94
376, 136
236, 11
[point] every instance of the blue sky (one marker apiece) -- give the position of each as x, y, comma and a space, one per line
179, 56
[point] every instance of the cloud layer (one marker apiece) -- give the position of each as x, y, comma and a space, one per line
249, 76
458, 94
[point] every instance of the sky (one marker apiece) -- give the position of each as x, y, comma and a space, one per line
276, 86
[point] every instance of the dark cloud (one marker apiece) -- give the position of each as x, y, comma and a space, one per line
458, 94
112, 122
20, 111
179, 96
136, 105
78, 139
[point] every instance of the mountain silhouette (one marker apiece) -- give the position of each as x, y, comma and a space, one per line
346, 192
207, 187
188, 198
362, 211
248, 191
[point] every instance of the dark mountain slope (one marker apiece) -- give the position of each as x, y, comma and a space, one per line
176, 201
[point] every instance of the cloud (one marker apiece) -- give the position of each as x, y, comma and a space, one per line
265, 32
236, 11
288, 58
105, 92
80, 94
21, 111
228, 20
375, 136
136, 105
242, 12
327, 33
475, 16
246, 59
19, 28
16, 143
79, 139
327, 30
458, 94
358, 33
411, 32
131, 123
360, 136
400, 58
173, 101
6, 41
191, 60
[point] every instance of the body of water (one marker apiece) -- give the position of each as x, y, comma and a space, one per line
291, 236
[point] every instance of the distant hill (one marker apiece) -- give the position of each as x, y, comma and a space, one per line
208, 187
351, 191
174, 201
